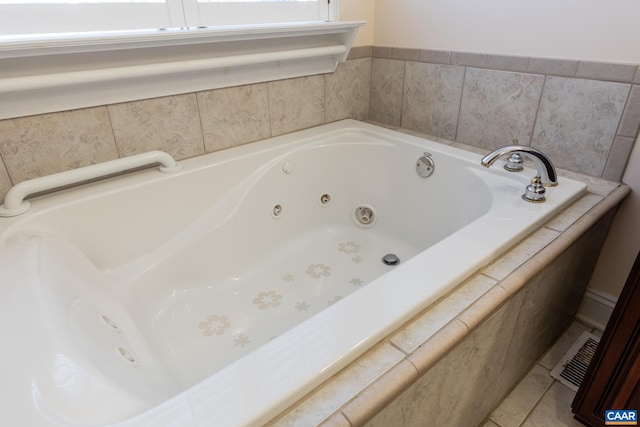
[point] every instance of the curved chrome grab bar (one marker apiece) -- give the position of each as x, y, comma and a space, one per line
14, 203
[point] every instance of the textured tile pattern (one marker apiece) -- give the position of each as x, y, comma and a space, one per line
447, 394
41, 145
518, 255
577, 122
296, 104
606, 71
234, 116
508, 63
469, 59
432, 98
170, 124
409, 338
504, 97
497, 107
336, 393
371, 85
631, 117
387, 82
574, 212
553, 67
184, 125
5, 182
347, 90
618, 157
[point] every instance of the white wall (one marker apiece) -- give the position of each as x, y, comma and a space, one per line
359, 10
623, 241
572, 29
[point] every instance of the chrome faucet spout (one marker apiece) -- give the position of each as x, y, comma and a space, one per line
546, 170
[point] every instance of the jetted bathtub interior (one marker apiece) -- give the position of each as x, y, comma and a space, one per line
226, 290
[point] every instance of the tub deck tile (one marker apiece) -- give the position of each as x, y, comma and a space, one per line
480, 310
408, 339
340, 389
519, 277
436, 347
382, 392
337, 420
519, 254
595, 185
574, 212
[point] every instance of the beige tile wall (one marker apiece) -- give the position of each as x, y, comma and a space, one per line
584, 115
184, 125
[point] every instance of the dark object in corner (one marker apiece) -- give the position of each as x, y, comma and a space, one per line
613, 378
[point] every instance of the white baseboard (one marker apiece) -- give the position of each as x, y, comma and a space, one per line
596, 308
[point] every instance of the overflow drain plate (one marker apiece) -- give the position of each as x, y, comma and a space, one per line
391, 259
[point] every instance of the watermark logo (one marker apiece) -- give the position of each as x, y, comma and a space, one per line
621, 417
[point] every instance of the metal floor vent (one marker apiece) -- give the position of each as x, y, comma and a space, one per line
571, 370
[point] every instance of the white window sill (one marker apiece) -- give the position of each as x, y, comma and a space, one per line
76, 71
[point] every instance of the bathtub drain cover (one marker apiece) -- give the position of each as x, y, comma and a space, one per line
391, 259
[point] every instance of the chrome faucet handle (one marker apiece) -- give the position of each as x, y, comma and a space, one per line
535, 191
514, 163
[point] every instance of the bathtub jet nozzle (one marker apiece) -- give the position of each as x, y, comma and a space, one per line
364, 215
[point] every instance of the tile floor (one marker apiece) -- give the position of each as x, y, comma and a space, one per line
539, 400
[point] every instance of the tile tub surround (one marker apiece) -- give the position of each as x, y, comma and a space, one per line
184, 125
480, 339
584, 115
36, 145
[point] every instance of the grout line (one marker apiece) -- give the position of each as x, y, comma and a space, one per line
4, 163
464, 80
204, 145
616, 133
113, 132
325, 77
404, 82
406, 355
269, 108
524, 420
535, 117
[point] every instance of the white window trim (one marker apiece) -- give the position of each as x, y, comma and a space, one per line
56, 16
77, 71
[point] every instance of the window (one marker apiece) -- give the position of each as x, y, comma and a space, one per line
63, 54
23, 17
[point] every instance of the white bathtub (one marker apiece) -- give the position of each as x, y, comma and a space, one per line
220, 295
